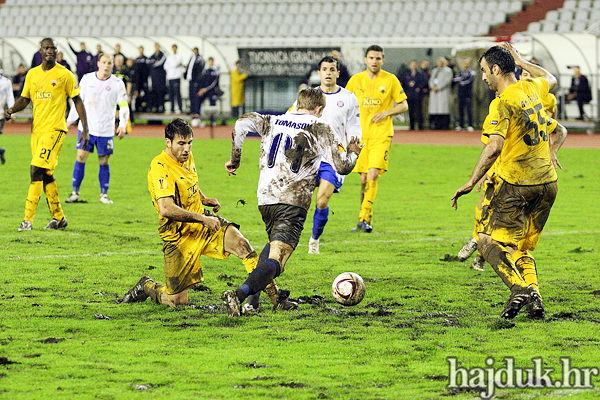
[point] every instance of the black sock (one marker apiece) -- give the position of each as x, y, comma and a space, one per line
258, 279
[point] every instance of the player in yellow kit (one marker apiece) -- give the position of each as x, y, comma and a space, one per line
47, 87
525, 185
187, 229
380, 97
548, 101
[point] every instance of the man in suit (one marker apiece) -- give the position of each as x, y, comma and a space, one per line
193, 74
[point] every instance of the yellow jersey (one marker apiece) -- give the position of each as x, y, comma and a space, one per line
374, 96
519, 117
549, 103
48, 91
237, 88
168, 178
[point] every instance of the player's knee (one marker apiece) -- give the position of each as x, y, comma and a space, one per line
102, 160
322, 202
243, 247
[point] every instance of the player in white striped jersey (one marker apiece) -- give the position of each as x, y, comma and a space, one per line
342, 114
292, 146
101, 93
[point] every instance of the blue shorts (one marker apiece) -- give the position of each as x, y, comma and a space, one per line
103, 144
327, 173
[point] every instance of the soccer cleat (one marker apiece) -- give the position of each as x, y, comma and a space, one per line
25, 226
518, 299
313, 246
249, 310
478, 263
232, 302
73, 198
363, 226
104, 199
470, 129
468, 249
536, 306
458, 128
283, 302
2, 158
136, 293
56, 224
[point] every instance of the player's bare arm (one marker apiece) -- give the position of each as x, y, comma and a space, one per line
556, 141
168, 209
397, 109
85, 133
535, 70
211, 202
344, 165
488, 156
20, 104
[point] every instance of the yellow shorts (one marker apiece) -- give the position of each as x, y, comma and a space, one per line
45, 148
375, 154
182, 258
516, 215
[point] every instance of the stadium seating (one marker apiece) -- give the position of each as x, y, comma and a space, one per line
574, 16
256, 18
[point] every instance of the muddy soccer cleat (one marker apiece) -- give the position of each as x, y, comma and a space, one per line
249, 310
25, 226
478, 263
283, 302
56, 224
363, 226
518, 299
313, 246
73, 198
468, 249
232, 302
536, 307
136, 293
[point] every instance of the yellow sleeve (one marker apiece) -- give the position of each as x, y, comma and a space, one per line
27, 86
496, 123
71, 86
551, 124
398, 92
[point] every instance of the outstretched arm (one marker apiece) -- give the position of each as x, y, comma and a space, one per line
20, 104
168, 209
252, 122
535, 70
397, 109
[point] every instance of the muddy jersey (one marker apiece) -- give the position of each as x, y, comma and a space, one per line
290, 155
342, 114
519, 117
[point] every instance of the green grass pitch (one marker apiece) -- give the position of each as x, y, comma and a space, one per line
418, 310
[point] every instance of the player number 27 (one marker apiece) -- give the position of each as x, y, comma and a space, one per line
529, 125
296, 160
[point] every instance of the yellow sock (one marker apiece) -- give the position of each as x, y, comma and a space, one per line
154, 290
273, 292
56, 211
527, 268
33, 198
504, 265
250, 261
366, 209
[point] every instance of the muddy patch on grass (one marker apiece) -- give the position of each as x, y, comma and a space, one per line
52, 340
502, 323
255, 365
293, 385
201, 288
436, 377
581, 250
449, 258
315, 299
6, 361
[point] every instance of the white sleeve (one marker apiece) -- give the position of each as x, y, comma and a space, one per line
73, 115
251, 122
353, 128
10, 97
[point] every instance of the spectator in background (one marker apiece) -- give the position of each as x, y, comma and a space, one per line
18, 81
95, 59
158, 79
122, 71
414, 83
439, 101
193, 74
61, 60
118, 52
209, 85
173, 66
425, 102
84, 60
344, 77
238, 97
140, 84
579, 91
464, 78
37, 58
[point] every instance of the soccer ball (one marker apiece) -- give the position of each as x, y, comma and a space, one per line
195, 122
348, 289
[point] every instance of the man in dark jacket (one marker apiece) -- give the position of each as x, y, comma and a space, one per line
158, 77
84, 60
580, 90
193, 74
209, 84
140, 82
465, 78
414, 83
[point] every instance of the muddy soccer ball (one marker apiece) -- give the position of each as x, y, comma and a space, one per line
348, 289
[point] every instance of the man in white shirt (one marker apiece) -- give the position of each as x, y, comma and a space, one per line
101, 93
292, 146
7, 100
173, 69
342, 114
